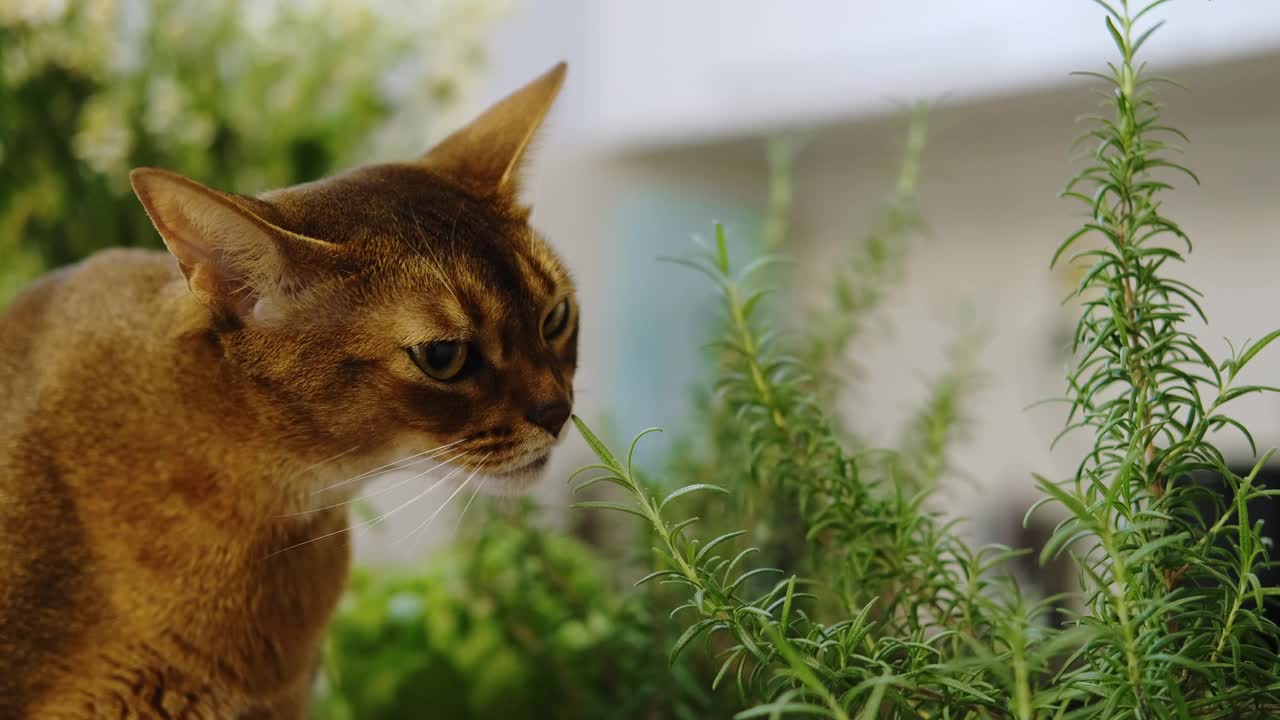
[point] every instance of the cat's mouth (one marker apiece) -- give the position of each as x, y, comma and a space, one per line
524, 466
519, 476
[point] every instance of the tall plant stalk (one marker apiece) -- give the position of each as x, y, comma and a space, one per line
1168, 589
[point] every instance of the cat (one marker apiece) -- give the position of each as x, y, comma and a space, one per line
179, 431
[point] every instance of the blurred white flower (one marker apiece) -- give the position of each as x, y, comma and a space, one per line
259, 18
103, 140
349, 17
379, 78
163, 104
32, 12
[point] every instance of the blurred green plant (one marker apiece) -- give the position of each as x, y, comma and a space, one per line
510, 621
487, 629
241, 95
817, 363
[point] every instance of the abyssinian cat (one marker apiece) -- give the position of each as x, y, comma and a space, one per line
178, 430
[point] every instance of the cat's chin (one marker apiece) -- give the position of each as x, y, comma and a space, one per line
517, 480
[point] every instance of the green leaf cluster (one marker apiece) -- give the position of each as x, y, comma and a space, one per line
512, 621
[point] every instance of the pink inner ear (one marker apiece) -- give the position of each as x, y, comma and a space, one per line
193, 220
211, 286
231, 257
202, 266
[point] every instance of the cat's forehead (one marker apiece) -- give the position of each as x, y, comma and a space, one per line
496, 299
432, 249
396, 202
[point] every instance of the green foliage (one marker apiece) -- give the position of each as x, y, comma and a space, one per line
241, 95
902, 619
909, 598
490, 629
1174, 603
512, 622
858, 288
800, 373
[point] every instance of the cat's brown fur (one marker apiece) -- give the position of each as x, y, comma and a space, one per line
165, 426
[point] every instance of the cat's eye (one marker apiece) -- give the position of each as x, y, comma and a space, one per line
442, 361
555, 321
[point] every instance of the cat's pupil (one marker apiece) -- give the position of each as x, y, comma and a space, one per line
439, 355
443, 360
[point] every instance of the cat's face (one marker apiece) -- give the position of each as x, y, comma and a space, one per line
456, 326
398, 308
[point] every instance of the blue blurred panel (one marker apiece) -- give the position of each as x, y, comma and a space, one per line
668, 311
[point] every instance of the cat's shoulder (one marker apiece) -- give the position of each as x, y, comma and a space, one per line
124, 270
105, 283
114, 270
86, 309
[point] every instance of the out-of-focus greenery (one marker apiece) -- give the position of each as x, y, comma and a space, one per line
509, 622
242, 95
487, 629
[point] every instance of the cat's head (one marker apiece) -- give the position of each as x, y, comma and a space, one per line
394, 308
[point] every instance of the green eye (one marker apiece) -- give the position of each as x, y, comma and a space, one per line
556, 321
440, 360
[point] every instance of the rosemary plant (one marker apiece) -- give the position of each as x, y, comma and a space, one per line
910, 597
1174, 603
902, 618
858, 288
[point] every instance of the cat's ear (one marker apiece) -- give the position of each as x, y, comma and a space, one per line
233, 259
486, 154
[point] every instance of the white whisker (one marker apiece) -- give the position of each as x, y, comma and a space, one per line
326, 461
367, 523
384, 490
446, 502
432, 453
458, 525
433, 486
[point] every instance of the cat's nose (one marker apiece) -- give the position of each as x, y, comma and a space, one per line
550, 416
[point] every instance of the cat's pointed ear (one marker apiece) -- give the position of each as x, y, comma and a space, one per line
486, 154
233, 259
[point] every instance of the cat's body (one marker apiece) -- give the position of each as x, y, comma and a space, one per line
168, 427
129, 574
